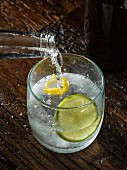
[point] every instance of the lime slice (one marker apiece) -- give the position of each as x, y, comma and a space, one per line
77, 124
79, 135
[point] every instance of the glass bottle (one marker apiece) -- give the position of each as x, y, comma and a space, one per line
26, 45
105, 33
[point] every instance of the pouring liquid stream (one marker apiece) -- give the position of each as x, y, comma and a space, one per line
56, 60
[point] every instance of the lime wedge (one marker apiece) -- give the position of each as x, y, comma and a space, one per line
77, 124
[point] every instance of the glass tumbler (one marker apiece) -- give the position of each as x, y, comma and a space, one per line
46, 111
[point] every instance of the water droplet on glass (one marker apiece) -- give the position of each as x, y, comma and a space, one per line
65, 69
121, 134
110, 113
20, 114
24, 126
121, 125
109, 126
101, 160
61, 31
27, 129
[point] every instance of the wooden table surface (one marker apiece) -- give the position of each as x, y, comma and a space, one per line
19, 150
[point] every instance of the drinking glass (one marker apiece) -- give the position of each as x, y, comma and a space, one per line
86, 79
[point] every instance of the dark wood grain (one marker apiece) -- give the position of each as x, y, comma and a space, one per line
33, 15
19, 149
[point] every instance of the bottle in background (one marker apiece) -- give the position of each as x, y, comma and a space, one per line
105, 33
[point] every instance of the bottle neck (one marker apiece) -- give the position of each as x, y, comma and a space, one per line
25, 45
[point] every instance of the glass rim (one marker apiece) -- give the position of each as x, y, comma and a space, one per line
56, 108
